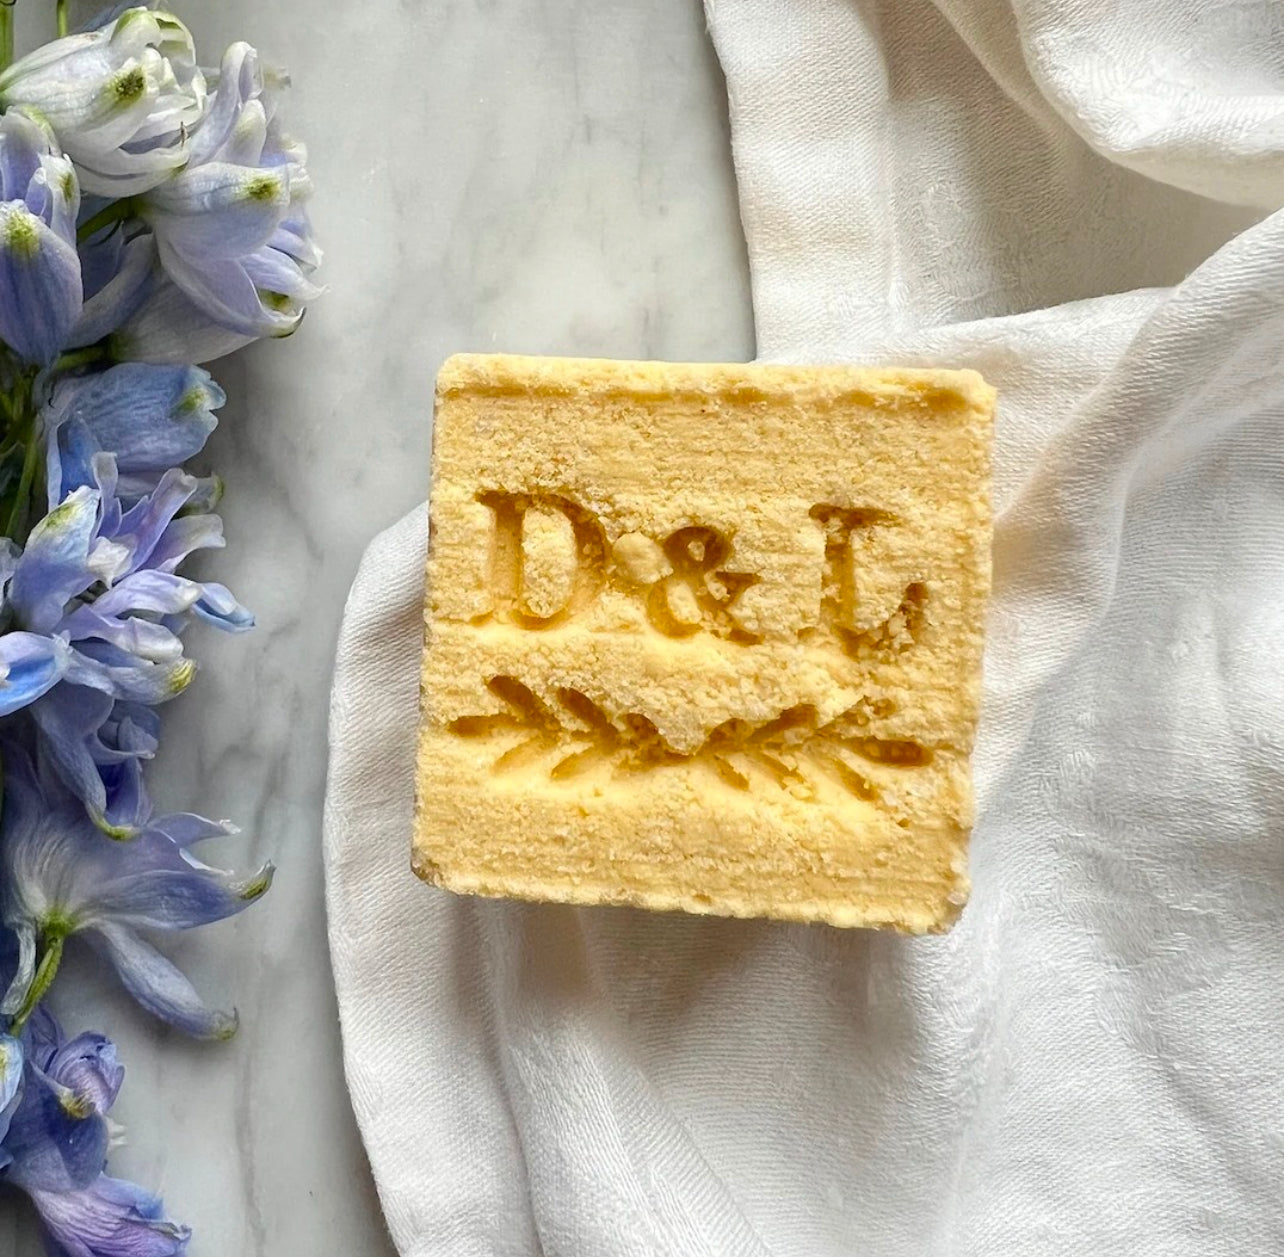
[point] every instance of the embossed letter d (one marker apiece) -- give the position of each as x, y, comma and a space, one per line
547, 558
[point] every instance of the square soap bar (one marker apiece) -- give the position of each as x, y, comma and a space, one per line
705, 637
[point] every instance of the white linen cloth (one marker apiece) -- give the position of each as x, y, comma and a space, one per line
1092, 1060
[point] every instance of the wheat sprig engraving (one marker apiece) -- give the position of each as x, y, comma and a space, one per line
577, 735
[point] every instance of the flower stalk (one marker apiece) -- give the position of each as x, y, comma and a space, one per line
6, 33
52, 943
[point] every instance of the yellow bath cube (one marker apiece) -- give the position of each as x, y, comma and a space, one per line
705, 637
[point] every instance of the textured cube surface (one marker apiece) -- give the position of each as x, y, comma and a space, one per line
705, 637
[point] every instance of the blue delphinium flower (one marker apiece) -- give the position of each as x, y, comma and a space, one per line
40, 286
152, 418
56, 1148
58, 1138
122, 100
98, 746
95, 599
231, 229
61, 876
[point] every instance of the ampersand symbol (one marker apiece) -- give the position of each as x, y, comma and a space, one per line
699, 592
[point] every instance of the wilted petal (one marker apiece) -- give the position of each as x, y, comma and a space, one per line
110, 1218
159, 986
87, 1066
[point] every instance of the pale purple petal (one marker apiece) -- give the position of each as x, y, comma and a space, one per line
32, 665
217, 606
110, 1218
151, 418
185, 535
141, 638
185, 829
121, 99
40, 293
120, 297
170, 328
11, 1058
177, 898
144, 524
160, 987
239, 82
219, 210
57, 1140
87, 1066
25, 971
55, 563
223, 288
103, 666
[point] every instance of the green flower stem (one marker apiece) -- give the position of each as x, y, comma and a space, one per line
16, 527
6, 33
80, 358
17, 405
45, 974
21, 429
62, 18
111, 213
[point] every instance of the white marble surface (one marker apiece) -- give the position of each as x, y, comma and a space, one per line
533, 175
